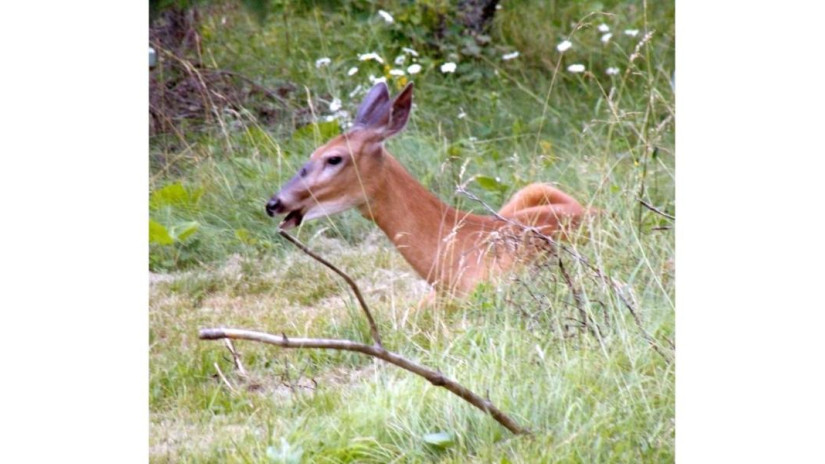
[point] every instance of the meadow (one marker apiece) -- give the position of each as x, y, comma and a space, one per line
579, 348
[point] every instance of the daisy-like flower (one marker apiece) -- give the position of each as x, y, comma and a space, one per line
603, 27
510, 56
606, 37
611, 71
396, 72
462, 115
564, 46
399, 60
414, 68
352, 71
576, 68
371, 56
321, 62
448, 67
355, 91
376, 80
335, 104
631, 32
409, 51
386, 16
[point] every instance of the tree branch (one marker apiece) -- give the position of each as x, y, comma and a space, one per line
373, 328
434, 377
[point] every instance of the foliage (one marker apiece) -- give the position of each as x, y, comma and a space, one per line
493, 125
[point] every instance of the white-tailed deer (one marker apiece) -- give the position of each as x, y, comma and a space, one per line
453, 250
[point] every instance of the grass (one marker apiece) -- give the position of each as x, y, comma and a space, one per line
608, 140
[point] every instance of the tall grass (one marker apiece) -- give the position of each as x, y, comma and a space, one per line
607, 139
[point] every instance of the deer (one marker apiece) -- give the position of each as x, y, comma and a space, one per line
452, 250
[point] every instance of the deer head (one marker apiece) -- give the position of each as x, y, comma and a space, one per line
345, 172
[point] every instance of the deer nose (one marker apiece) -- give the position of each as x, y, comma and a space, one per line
274, 207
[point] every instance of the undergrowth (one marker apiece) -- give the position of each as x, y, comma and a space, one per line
563, 355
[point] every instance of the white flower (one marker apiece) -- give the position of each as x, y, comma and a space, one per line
606, 37
631, 32
603, 27
414, 68
448, 67
565, 45
576, 68
510, 56
396, 72
399, 60
462, 115
321, 62
612, 71
386, 16
371, 56
335, 104
352, 71
409, 51
355, 91
375, 80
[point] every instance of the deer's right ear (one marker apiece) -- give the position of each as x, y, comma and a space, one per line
375, 109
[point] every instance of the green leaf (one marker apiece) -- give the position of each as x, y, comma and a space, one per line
174, 195
490, 184
158, 234
440, 440
182, 231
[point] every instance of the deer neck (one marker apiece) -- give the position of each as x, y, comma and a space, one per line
417, 222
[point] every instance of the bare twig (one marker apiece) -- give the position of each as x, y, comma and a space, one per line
577, 298
373, 328
223, 377
434, 377
656, 210
236, 358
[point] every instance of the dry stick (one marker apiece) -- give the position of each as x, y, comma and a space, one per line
656, 210
597, 271
373, 328
236, 357
577, 298
434, 377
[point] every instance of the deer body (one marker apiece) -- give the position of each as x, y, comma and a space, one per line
453, 250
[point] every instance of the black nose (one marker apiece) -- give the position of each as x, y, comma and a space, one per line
273, 207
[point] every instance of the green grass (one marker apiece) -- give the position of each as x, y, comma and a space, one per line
608, 140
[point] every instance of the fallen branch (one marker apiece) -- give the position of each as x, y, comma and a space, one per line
373, 328
434, 377
376, 350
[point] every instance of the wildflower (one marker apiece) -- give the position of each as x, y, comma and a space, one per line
371, 56
462, 115
321, 62
355, 91
510, 56
376, 80
409, 51
631, 32
564, 46
576, 68
399, 60
606, 37
386, 16
335, 104
352, 71
448, 67
612, 71
603, 27
414, 68
396, 72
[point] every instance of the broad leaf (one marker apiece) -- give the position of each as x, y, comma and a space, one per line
441, 440
159, 234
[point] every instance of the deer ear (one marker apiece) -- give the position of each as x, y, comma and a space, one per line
400, 113
375, 109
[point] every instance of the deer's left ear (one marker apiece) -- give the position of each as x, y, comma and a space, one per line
400, 111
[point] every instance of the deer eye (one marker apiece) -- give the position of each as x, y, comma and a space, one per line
333, 160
